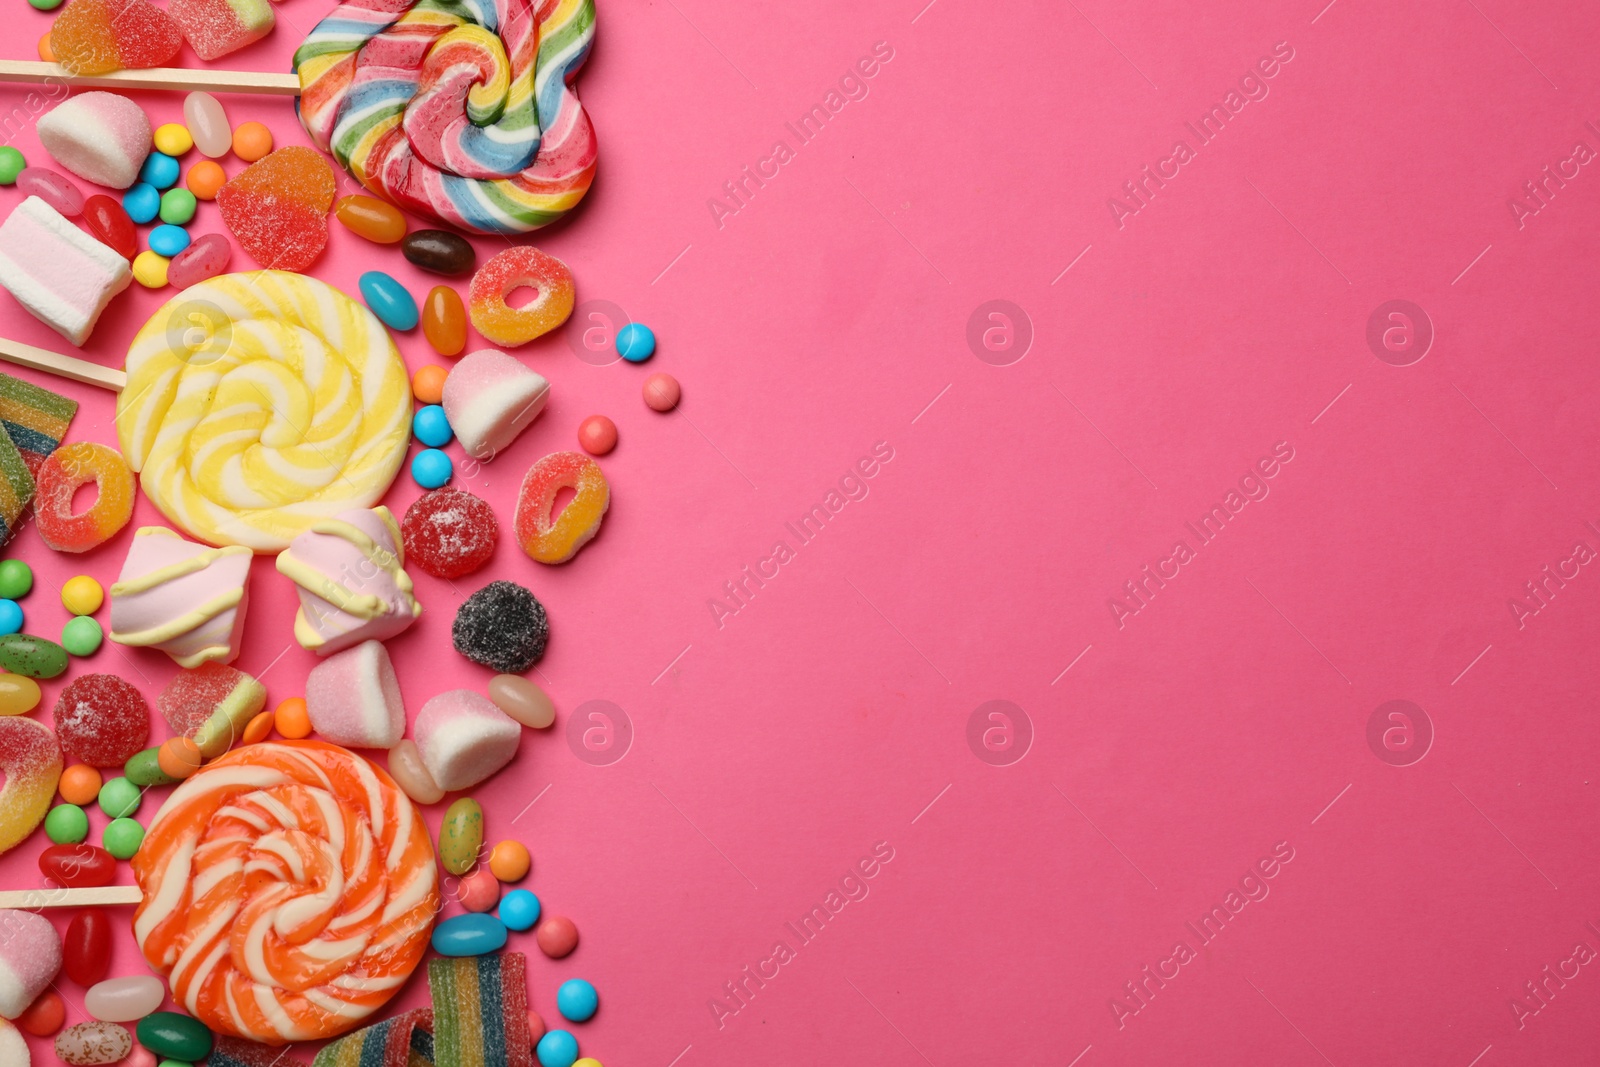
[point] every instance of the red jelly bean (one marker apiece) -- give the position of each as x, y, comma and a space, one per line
78, 866
86, 950
110, 225
206, 258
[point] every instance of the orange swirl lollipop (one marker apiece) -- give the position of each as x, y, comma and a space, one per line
289, 890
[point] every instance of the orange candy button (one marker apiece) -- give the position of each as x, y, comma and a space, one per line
205, 178
80, 784
427, 385
178, 757
257, 729
252, 141
509, 862
292, 720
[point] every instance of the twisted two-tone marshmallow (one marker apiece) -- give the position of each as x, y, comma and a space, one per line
289, 890
460, 109
260, 404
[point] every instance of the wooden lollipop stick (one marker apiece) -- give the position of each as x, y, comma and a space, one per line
102, 896
180, 78
79, 370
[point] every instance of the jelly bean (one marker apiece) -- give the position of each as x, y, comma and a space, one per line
444, 320
67, 824
206, 258
431, 468
80, 784
160, 170
166, 1033
141, 202
461, 835
479, 891
469, 935
365, 216
150, 269
257, 729
11, 164
124, 1000
557, 1048
406, 768
81, 636
427, 385
86, 948
519, 910
78, 866
91, 1044
179, 757
577, 1000
144, 769
522, 700
509, 861
636, 342
109, 224
430, 426
388, 300
597, 435
439, 252
177, 206
11, 618
173, 139
557, 936
205, 178
82, 595
662, 392
16, 579
19, 694
251, 141
292, 719
119, 798
32, 656
45, 1015
208, 124
52, 188
169, 240
122, 838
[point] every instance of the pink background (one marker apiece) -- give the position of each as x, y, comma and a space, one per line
772, 752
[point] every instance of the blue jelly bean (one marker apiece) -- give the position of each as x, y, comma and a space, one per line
469, 935
11, 622
519, 910
141, 202
160, 170
635, 342
557, 1048
577, 1000
388, 300
430, 468
431, 427
168, 240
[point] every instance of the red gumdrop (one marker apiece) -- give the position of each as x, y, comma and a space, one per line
110, 225
449, 533
86, 950
102, 720
78, 866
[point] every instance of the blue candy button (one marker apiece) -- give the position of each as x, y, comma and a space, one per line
635, 342
431, 427
557, 1048
519, 910
577, 1000
168, 240
430, 468
160, 170
141, 202
11, 622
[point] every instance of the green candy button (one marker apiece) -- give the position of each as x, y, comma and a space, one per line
122, 839
119, 798
67, 824
16, 577
174, 1036
11, 164
81, 636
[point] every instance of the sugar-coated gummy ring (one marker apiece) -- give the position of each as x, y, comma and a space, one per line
61, 475
507, 271
579, 521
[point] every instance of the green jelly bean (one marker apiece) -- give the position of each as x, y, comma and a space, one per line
144, 769
32, 656
81, 636
122, 839
174, 1036
67, 824
16, 577
461, 836
173, 1063
119, 798
11, 164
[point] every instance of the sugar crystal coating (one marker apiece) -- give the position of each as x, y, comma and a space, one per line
277, 208
502, 626
30, 759
449, 533
102, 720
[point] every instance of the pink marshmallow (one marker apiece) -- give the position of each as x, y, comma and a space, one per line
490, 398
353, 586
30, 957
101, 137
216, 27
464, 738
64, 277
13, 1046
353, 698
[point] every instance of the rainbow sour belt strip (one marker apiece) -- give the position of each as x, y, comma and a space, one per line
459, 109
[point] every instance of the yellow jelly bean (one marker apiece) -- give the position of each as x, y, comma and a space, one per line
150, 269
173, 139
82, 595
19, 694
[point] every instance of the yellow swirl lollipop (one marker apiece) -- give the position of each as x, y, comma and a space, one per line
258, 404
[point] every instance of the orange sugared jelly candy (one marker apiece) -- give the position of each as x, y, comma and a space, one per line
277, 207
100, 36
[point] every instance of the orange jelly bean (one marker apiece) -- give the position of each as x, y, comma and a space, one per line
367, 216
205, 178
444, 321
427, 385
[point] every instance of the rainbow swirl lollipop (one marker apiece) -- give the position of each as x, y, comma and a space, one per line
459, 109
